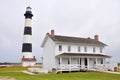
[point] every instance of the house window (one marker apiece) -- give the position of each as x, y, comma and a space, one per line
69, 48
94, 62
60, 47
101, 50
68, 61
59, 60
78, 48
80, 61
94, 50
85, 49
101, 61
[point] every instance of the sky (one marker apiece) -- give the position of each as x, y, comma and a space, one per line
79, 18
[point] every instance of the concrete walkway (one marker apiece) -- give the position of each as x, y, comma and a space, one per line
27, 72
111, 72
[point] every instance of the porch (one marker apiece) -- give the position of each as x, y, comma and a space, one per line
77, 63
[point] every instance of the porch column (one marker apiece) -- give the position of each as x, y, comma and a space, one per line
88, 63
82, 63
104, 66
79, 63
96, 60
70, 63
60, 62
103, 60
96, 63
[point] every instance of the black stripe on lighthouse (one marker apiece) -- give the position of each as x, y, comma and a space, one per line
28, 14
27, 47
28, 30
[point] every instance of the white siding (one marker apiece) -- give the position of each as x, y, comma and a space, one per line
92, 61
49, 54
82, 61
99, 60
74, 49
74, 61
65, 60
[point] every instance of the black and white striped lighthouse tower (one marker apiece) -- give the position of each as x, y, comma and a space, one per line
28, 59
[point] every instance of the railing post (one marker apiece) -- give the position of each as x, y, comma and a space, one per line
96, 63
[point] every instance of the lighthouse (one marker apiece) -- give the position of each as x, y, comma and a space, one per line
27, 58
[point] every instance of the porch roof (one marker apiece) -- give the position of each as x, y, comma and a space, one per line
84, 55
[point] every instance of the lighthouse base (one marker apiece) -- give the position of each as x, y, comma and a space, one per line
26, 64
28, 61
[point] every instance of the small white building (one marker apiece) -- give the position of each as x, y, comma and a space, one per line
72, 53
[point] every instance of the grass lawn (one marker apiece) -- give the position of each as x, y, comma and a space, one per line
15, 73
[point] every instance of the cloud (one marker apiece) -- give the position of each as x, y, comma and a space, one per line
82, 18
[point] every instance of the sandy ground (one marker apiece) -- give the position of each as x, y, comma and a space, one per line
6, 78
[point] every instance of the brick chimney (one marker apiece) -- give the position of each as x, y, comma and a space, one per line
34, 57
96, 37
47, 33
88, 38
52, 33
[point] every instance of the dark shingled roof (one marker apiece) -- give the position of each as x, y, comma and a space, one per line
84, 54
76, 40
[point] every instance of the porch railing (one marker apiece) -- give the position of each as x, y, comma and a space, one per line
71, 67
105, 67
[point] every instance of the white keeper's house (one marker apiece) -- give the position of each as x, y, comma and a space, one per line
72, 53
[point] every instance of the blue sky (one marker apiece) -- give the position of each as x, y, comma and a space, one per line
81, 18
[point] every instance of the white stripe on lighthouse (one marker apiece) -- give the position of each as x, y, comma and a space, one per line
27, 39
28, 22
27, 54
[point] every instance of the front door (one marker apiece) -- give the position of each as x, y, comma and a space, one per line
85, 62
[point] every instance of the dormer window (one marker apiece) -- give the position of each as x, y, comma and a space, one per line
79, 49
85, 49
94, 50
69, 48
60, 47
